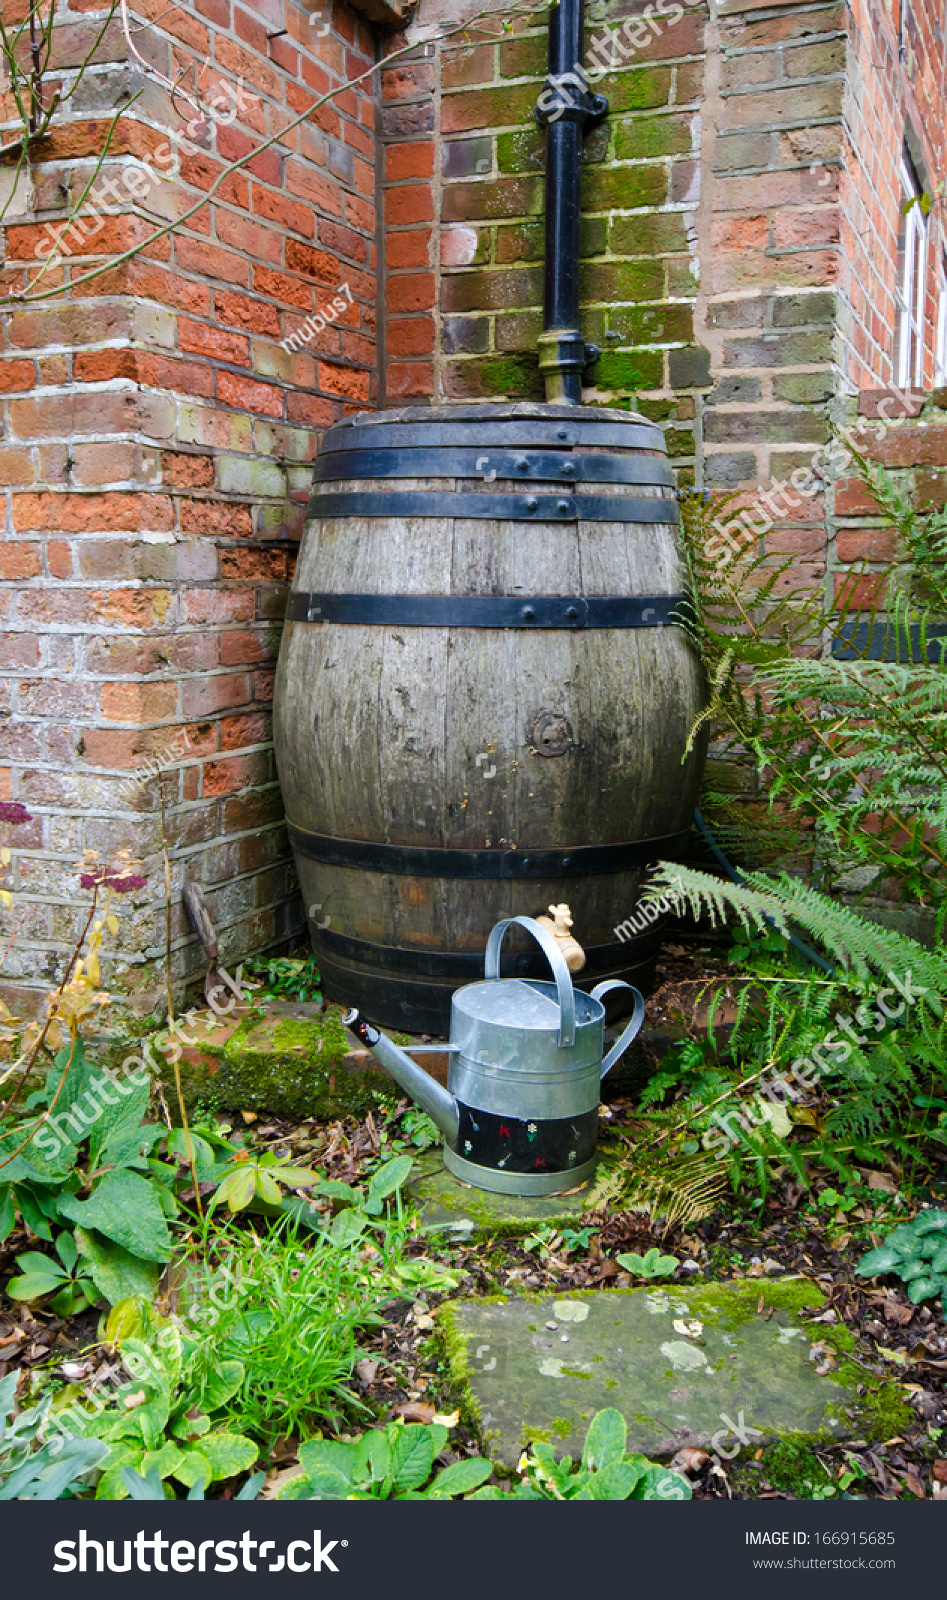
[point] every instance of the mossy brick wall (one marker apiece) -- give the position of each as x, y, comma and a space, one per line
154, 457
708, 246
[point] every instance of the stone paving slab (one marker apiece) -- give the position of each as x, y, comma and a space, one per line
458, 1209
680, 1363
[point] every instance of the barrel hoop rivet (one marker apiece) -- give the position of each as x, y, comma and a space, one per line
490, 611
492, 464
495, 507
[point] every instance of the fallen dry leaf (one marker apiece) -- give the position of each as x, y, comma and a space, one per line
366, 1371
883, 1181
275, 1480
449, 1420
414, 1411
915, 1485
691, 1330
940, 1470
249, 1116
690, 1460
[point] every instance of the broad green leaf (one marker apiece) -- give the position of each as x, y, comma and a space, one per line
914, 1267
920, 1288
615, 1481
189, 1427
7, 1212
885, 1259
372, 1456
126, 1318
295, 1177
939, 1263
204, 1159
345, 1228
124, 1207
488, 1492
32, 1215
49, 1157
633, 1263
222, 1384
267, 1188
73, 1298
425, 1274
66, 1250
322, 1483
32, 1286
117, 1131
390, 1177
117, 1274
164, 1462
412, 1456
238, 1188
332, 1453
462, 1476
659, 1483
606, 1440
932, 1221
111, 1485
334, 1189
35, 1262
228, 1453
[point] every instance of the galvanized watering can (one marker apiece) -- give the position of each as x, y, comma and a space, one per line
520, 1111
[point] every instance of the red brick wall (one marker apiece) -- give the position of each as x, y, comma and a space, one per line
155, 446
887, 91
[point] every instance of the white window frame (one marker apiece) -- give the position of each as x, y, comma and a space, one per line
911, 282
940, 347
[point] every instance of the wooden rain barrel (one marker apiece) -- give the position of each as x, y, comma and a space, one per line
482, 701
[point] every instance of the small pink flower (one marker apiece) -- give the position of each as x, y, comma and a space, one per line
107, 878
13, 811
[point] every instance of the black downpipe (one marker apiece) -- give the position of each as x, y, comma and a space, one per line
566, 108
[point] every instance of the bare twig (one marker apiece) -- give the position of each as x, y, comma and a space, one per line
23, 297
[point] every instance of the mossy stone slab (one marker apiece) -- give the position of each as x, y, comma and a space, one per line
457, 1208
541, 1366
288, 1059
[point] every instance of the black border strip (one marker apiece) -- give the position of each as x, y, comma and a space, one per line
489, 611
421, 861
521, 465
496, 507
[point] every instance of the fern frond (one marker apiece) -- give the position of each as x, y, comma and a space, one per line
864, 949
682, 1189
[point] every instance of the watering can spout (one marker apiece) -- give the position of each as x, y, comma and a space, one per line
440, 1106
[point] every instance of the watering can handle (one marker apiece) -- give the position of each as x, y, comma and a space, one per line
632, 1029
491, 969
